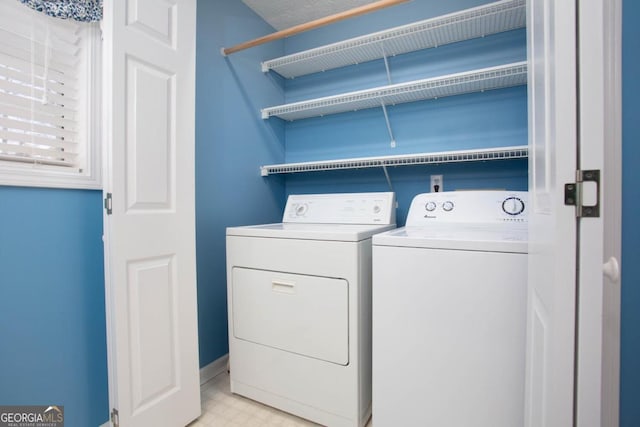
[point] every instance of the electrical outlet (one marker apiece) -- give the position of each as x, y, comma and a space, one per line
437, 183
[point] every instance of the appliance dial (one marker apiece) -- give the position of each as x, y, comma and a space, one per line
430, 206
513, 206
376, 209
301, 209
447, 206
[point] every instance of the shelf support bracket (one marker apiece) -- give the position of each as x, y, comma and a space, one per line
384, 107
386, 62
386, 118
386, 174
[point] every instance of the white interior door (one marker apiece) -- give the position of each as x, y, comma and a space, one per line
150, 234
551, 39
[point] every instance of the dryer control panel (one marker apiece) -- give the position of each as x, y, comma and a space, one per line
341, 208
469, 207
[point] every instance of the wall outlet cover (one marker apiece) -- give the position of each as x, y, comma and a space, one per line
437, 184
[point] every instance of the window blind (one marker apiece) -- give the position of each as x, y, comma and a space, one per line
39, 86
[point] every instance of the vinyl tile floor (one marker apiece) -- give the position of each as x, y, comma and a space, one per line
221, 408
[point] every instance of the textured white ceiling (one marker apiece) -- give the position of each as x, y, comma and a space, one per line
282, 14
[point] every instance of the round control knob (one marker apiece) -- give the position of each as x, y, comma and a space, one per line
430, 206
301, 209
376, 209
513, 206
447, 206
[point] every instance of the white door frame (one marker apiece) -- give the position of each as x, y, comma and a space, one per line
599, 148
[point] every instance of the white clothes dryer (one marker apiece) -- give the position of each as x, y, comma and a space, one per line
449, 312
299, 300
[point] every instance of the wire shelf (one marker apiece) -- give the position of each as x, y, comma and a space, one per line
483, 154
453, 84
467, 24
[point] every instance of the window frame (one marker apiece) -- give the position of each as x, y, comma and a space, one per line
90, 174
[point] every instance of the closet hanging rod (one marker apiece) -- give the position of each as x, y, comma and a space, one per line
356, 11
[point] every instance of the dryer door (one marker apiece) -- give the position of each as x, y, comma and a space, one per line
307, 315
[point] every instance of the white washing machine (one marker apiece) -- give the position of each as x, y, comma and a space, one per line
299, 300
449, 304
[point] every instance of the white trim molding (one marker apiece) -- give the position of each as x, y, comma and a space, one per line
214, 368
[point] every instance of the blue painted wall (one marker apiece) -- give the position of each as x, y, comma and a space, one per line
491, 119
232, 141
630, 334
52, 318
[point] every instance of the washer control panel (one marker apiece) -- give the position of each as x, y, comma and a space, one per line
341, 208
485, 206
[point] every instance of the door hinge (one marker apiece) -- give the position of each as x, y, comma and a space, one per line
115, 419
107, 204
574, 194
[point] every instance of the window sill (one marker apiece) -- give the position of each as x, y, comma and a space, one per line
41, 176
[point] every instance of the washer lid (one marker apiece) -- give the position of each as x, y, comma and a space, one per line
331, 232
472, 237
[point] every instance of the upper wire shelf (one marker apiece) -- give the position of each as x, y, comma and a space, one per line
467, 24
498, 77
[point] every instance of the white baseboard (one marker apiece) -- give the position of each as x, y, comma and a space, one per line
214, 368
